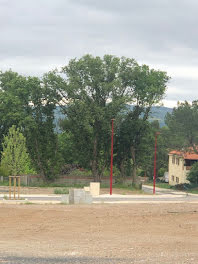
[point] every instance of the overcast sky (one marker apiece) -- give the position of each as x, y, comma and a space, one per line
37, 36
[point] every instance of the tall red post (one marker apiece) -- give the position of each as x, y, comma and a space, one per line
111, 172
154, 177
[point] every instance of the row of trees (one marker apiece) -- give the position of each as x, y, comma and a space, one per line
90, 92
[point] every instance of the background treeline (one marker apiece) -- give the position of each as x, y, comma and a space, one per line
90, 91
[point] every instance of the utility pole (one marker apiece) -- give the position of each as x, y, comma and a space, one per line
154, 177
111, 171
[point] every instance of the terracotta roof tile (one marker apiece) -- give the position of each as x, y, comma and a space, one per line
186, 155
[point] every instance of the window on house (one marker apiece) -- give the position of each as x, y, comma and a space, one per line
173, 159
177, 179
173, 178
177, 161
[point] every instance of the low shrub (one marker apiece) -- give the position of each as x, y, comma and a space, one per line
182, 186
61, 191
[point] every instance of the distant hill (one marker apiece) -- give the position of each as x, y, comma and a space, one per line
157, 113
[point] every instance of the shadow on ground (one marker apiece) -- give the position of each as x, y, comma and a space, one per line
67, 260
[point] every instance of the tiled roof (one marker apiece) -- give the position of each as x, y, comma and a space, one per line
186, 155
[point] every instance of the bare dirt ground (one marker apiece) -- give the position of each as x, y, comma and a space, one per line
121, 233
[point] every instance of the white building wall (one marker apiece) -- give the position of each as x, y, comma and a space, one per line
177, 170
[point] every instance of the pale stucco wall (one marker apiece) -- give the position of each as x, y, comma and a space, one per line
176, 170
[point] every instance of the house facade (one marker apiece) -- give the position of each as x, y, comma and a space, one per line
179, 166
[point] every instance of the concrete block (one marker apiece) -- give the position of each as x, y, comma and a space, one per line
87, 189
79, 196
88, 198
95, 188
65, 198
71, 196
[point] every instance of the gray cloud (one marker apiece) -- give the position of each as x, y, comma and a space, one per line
37, 36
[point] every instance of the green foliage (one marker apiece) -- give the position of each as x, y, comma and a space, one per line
193, 174
61, 191
161, 172
91, 91
93, 87
4, 171
80, 174
14, 94
14, 155
29, 103
98, 89
183, 125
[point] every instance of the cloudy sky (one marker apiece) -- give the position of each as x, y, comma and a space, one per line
37, 36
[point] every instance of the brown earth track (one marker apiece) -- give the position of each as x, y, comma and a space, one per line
145, 233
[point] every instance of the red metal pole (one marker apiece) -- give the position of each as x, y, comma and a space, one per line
111, 172
154, 177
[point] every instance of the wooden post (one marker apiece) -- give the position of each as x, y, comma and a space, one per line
19, 185
15, 188
10, 183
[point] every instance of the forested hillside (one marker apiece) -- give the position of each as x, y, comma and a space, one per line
157, 113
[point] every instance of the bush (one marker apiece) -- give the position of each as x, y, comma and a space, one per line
161, 172
61, 191
193, 174
182, 186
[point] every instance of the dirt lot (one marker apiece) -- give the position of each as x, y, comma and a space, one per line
130, 233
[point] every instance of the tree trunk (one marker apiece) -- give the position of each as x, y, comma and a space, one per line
135, 182
134, 174
39, 163
122, 170
95, 161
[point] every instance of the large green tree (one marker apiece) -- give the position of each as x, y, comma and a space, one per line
94, 95
29, 103
95, 90
14, 100
146, 87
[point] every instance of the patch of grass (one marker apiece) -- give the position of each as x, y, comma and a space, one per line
4, 183
27, 202
160, 185
193, 191
61, 191
163, 185
125, 188
5, 197
189, 189
49, 185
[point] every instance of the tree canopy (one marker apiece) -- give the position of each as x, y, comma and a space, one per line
99, 89
183, 125
15, 157
90, 91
